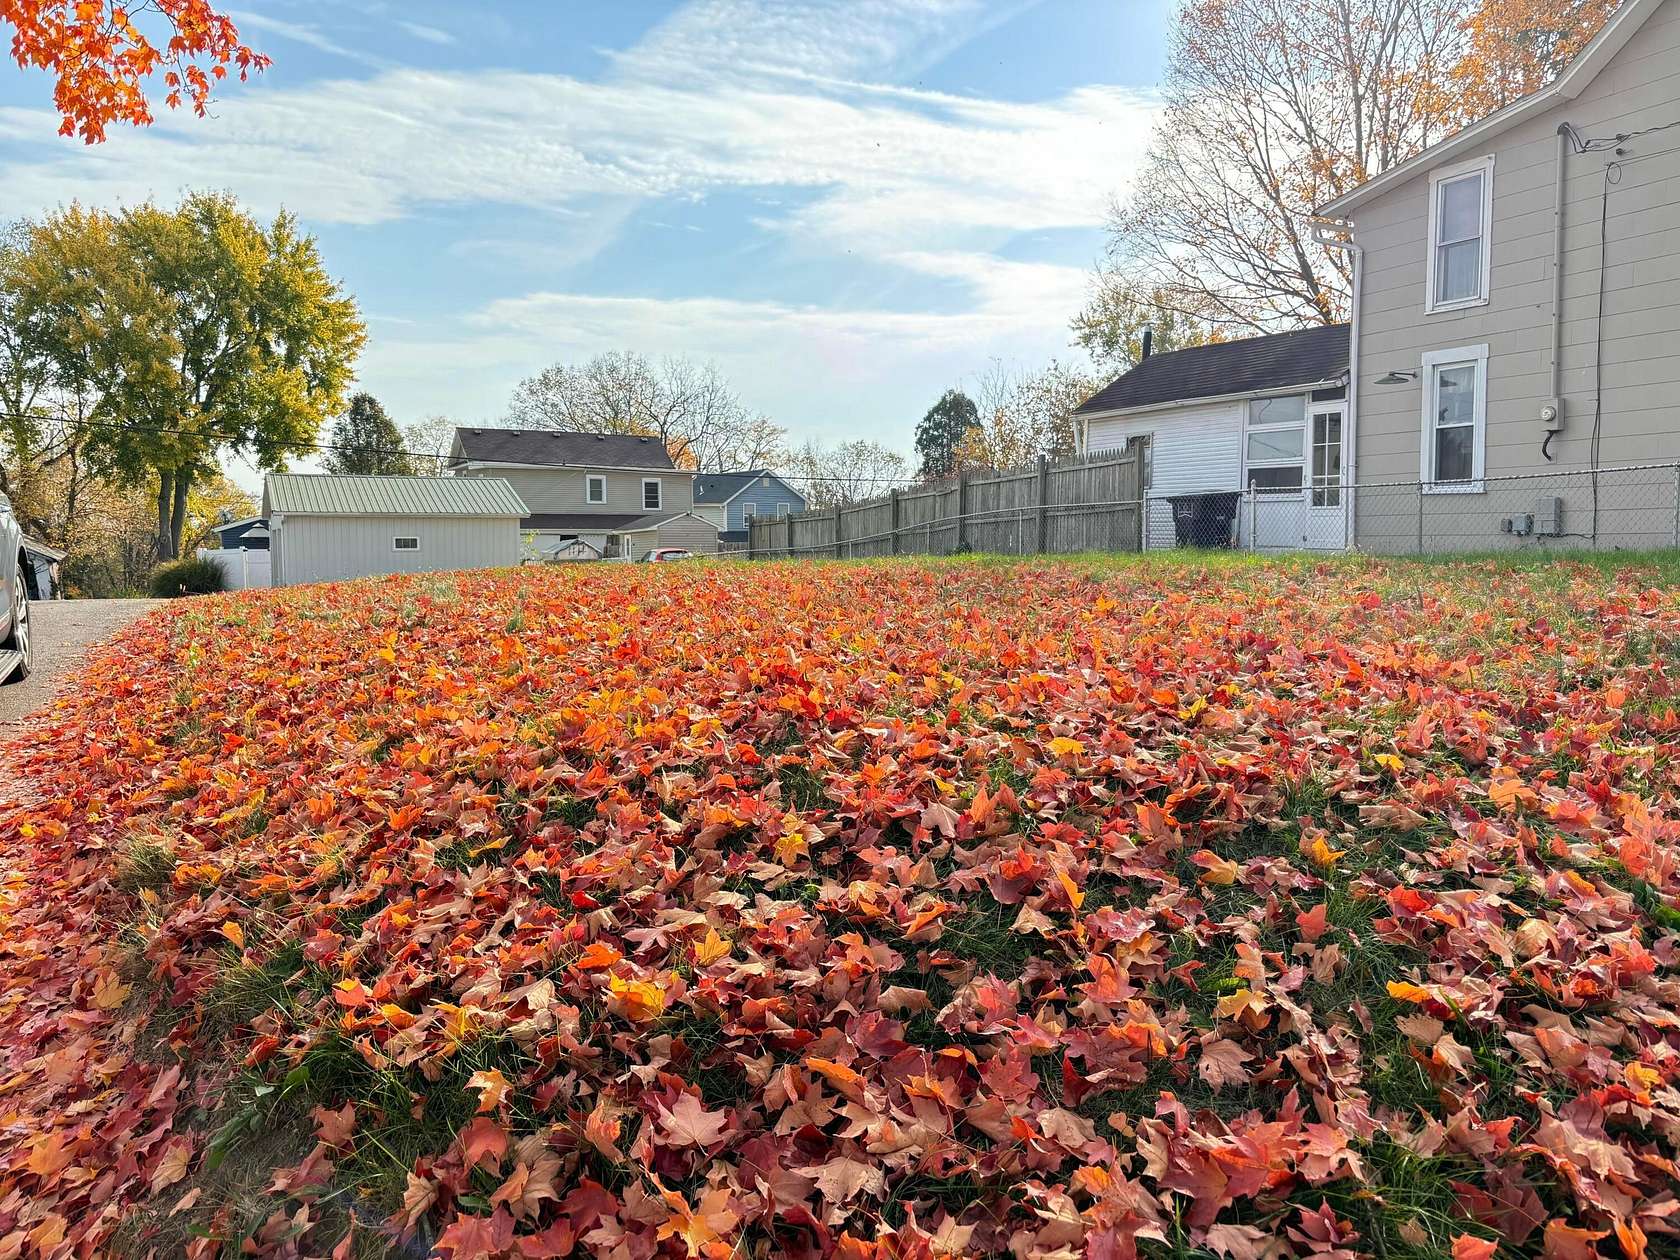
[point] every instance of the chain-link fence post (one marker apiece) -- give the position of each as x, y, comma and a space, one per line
1420, 519
1253, 516
1677, 506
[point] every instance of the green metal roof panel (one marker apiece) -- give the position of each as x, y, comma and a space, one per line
318, 494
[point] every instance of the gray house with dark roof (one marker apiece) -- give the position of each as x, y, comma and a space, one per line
587, 494
1262, 413
729, 499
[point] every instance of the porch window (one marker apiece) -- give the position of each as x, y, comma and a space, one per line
1454, 419
1460, 214
1275, 449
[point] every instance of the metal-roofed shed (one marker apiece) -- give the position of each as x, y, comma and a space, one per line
325, 528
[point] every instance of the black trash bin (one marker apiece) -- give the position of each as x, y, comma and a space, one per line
1204, 520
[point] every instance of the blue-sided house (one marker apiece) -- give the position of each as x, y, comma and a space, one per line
249, 534
728, 499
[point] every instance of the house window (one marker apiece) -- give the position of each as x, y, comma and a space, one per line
1460, 214
749, 510
595, 488
1276, 437
784, 509
402, 543
1327, 459
1454, 419
653, 494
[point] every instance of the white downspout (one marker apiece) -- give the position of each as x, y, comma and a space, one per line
1349, 472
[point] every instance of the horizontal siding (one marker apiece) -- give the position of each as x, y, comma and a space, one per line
562, 489
322, 549
1625, 363
688, 532
765, 498
1192, 449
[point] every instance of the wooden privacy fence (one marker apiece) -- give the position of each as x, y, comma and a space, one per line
1055, 507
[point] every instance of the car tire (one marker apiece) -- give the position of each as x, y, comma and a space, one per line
18, 638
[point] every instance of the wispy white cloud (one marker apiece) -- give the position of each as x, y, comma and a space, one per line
825, 372
805, 107
880, 174
427, 34
747, 38
303, 33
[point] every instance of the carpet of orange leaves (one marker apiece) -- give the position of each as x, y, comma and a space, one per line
860, 911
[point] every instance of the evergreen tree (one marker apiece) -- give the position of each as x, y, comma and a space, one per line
365, 441
941, 432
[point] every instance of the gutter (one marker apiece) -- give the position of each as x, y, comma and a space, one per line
1178, 404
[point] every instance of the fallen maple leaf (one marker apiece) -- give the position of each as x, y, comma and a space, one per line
492, 1088
688, 1123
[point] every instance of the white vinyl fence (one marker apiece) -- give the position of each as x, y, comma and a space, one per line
242, 569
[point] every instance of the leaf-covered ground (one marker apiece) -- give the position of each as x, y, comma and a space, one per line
893, 910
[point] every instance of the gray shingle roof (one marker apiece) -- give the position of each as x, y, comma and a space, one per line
550, 446
1303, 357
316, 494
722, 487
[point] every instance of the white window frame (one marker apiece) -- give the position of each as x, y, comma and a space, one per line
659, 487
1329, 486
1446, 175
1433, 362
590, 482
402, 538
1303, 425
784, 508
748, 509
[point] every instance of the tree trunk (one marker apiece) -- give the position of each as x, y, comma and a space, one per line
165, 504
178, 519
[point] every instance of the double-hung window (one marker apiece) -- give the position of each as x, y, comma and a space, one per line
749, 509
653, 494
1460, 216
595, 488
1275, 444
1454, 419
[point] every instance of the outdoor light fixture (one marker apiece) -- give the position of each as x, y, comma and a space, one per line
1397, 378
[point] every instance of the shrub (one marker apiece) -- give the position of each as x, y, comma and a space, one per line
189, 576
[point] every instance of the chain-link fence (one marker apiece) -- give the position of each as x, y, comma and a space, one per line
1621, 508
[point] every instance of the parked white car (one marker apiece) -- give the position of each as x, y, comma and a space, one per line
15, 658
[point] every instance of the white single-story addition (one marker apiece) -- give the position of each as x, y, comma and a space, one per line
324, 528
1264, 414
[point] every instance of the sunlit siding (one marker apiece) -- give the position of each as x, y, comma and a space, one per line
1640, 369
327, 548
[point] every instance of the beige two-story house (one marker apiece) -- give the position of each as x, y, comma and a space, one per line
1516, 324
590, 495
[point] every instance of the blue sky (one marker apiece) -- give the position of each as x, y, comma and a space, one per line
848, 204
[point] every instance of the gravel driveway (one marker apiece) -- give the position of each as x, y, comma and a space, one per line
63, 631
